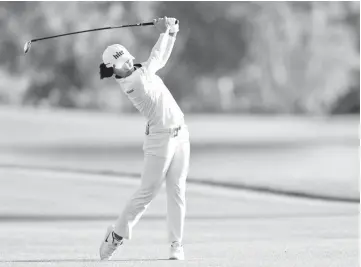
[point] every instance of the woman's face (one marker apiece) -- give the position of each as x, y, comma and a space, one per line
126, 69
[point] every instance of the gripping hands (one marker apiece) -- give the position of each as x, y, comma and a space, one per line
162, 24
164, 46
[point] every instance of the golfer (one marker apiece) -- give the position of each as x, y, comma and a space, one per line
166, 146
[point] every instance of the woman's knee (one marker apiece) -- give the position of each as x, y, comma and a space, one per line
148, 192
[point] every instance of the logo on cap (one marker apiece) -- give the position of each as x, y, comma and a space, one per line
118, 54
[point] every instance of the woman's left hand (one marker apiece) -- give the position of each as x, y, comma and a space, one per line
161, 24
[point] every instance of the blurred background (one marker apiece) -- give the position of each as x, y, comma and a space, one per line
271, 90
233, 57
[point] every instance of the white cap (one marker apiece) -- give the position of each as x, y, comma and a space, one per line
116, 54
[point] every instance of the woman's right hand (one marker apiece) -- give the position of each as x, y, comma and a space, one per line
173, 24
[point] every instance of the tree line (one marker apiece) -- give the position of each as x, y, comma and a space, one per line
246, 57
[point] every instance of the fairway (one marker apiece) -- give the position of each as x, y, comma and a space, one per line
65, 176
59, 219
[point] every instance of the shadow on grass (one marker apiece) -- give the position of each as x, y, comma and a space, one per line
218, 217
199, 181
77, 260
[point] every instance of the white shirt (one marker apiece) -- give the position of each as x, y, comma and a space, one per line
147, 91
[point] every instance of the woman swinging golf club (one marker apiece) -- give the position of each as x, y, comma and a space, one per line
166, 145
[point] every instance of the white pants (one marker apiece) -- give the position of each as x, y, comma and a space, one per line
166, 157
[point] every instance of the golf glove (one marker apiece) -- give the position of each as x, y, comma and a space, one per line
161, 24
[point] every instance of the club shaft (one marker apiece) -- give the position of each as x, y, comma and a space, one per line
93, 30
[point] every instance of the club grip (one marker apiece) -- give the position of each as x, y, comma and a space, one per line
147, 23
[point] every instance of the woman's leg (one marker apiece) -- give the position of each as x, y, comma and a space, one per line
153, 174
176, 187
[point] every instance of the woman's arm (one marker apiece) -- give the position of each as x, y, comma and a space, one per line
163, 48
169, 48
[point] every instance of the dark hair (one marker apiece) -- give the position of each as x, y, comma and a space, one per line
105, 72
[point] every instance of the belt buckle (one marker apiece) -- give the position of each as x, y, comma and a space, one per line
175, 131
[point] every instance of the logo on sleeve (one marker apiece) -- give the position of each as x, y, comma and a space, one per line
130, 91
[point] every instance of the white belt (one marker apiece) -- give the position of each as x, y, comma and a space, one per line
173, 131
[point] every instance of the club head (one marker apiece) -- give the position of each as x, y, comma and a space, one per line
27, 47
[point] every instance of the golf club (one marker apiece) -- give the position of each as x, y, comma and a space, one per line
27, 45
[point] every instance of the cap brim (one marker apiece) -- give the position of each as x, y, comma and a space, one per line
120, 62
